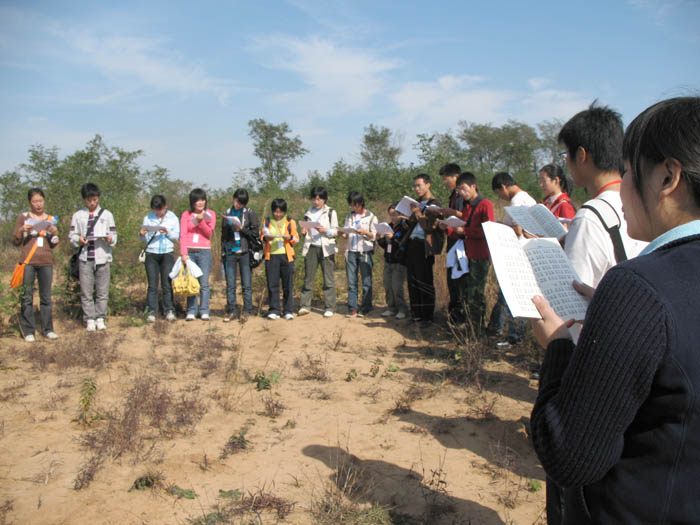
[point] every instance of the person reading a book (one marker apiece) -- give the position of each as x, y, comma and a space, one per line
472, 285
36, 233
597, 238
394, 265
238, 227
555, 187
159, 230
616, 420
450, 173
423, 241
319, 249
507, 190
359, 228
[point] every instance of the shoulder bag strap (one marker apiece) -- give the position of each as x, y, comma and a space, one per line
613, 231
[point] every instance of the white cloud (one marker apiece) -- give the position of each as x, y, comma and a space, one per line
442, 103
663, 10
148, 60
339, 79
539, 82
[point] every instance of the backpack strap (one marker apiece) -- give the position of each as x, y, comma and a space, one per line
613, 231
473, 205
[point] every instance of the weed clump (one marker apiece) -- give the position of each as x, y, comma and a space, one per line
236, 443
313, 367
252, 505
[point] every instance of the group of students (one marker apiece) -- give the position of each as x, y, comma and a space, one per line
616, 422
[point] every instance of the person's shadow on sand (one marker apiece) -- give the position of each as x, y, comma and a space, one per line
507, 447
404, 491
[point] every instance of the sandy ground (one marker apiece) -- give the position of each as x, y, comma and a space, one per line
374, 406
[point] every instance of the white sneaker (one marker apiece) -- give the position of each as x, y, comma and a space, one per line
401, 315
170, 316
151, 318
51, 335
100, 324
303, 311
328, 313
388, 313
190, 317
289, 317
29, 338
204, 317
90, 327
273, 316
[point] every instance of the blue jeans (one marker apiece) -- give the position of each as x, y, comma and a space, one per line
364, 262
499, 315
242, 261
201, 258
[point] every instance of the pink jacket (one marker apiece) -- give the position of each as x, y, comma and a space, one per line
198, 236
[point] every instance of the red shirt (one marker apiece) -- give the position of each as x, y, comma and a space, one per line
475, 241
561, 206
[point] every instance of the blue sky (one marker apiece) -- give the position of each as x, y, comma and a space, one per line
181, 80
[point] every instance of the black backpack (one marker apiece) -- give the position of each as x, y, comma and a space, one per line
255, 250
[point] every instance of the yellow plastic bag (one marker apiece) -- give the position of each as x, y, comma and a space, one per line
184, 284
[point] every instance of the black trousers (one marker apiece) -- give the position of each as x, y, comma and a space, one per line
276, 269
421, 289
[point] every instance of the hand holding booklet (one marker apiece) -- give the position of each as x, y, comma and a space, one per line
235, 220
533, 267
453, 222
154, 228
347, 229
310, 225
537, 220
384, 228
404, 206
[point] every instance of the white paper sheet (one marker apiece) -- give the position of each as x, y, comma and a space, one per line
383, 228
537, 220
404, 206
533, 267
453, 222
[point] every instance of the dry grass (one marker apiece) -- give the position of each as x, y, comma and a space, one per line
80, 350
313, 367
149, 411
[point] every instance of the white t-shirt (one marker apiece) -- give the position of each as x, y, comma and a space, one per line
522, 198
588, 244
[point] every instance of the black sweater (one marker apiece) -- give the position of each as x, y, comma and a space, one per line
617, 418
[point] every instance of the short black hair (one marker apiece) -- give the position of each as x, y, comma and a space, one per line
392, 206
197, 194
35, 191
424, 176
598, 130
467, 178
554, 172
355, 197
157, 202
241, 196
279, 204
668, 129
319, 191
89, 190
450, 170
502, 179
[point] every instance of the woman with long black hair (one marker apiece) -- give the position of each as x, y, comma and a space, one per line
617, 418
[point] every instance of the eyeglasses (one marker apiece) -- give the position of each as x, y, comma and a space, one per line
563, 155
